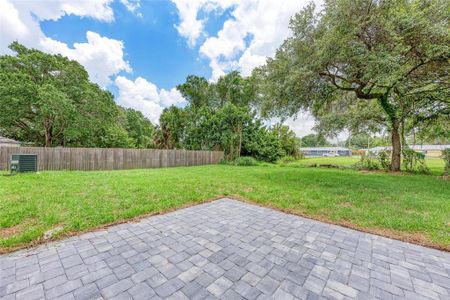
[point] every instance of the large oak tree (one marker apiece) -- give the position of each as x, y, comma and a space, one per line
48, 100
394, 52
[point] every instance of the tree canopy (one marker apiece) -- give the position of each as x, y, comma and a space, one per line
221, 116
314, 140
48, 100
388, 60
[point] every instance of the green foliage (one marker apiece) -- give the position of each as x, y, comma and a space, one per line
314, 140
231, 121
172, 123
235, 89
139, 128
220, 117
367, 163
246, 161
364, 140
264, 145
387, 60
116, 136
196, 90
382, 162
383, 158
286, 160
48, 100
414, 162
289, 141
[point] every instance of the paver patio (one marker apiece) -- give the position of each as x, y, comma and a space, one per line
230, 250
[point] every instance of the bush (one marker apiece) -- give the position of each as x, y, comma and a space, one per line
263, 145
226, 162
287, 159
245, 161
367, 163
446, 158
414, 162
384, 160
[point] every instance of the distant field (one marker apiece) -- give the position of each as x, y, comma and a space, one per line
340, 160
436, 165
410, 207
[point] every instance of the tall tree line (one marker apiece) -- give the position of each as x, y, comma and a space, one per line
223, 116
48, 100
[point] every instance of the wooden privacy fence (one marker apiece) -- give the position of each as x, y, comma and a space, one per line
110, 159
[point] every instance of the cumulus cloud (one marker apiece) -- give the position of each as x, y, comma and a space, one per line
302, 124
171, 97
190, 27
101, 56
133, 6
55, 9
253, 33
145, 96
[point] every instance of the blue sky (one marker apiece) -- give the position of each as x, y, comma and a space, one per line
153, 46
141, 49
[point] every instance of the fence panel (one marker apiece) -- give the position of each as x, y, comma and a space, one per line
109, 159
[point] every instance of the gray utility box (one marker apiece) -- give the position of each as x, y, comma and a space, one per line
23, 163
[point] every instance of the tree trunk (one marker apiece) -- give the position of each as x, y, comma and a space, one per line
47, 135
240, 142
396, 147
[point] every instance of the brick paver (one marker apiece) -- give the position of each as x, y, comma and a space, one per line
230, 250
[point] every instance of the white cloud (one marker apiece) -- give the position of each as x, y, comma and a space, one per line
171, 97
190, 27
302, 124
101, 56
55, 9
133, 6
144, 96
253, 33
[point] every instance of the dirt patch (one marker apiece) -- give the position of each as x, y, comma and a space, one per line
345, 204
10, 231
14, 230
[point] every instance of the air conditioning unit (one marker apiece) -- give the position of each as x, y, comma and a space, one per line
23, 163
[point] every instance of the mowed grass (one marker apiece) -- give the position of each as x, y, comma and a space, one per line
436, 165
411, 207
340, 160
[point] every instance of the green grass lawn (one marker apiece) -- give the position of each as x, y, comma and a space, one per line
340, 160
412, 207
436, 165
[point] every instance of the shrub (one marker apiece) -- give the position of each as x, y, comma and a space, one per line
414, 162
245, 161
263, 145
367, 163
287, 159
226, 162
384, 160
446, 158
